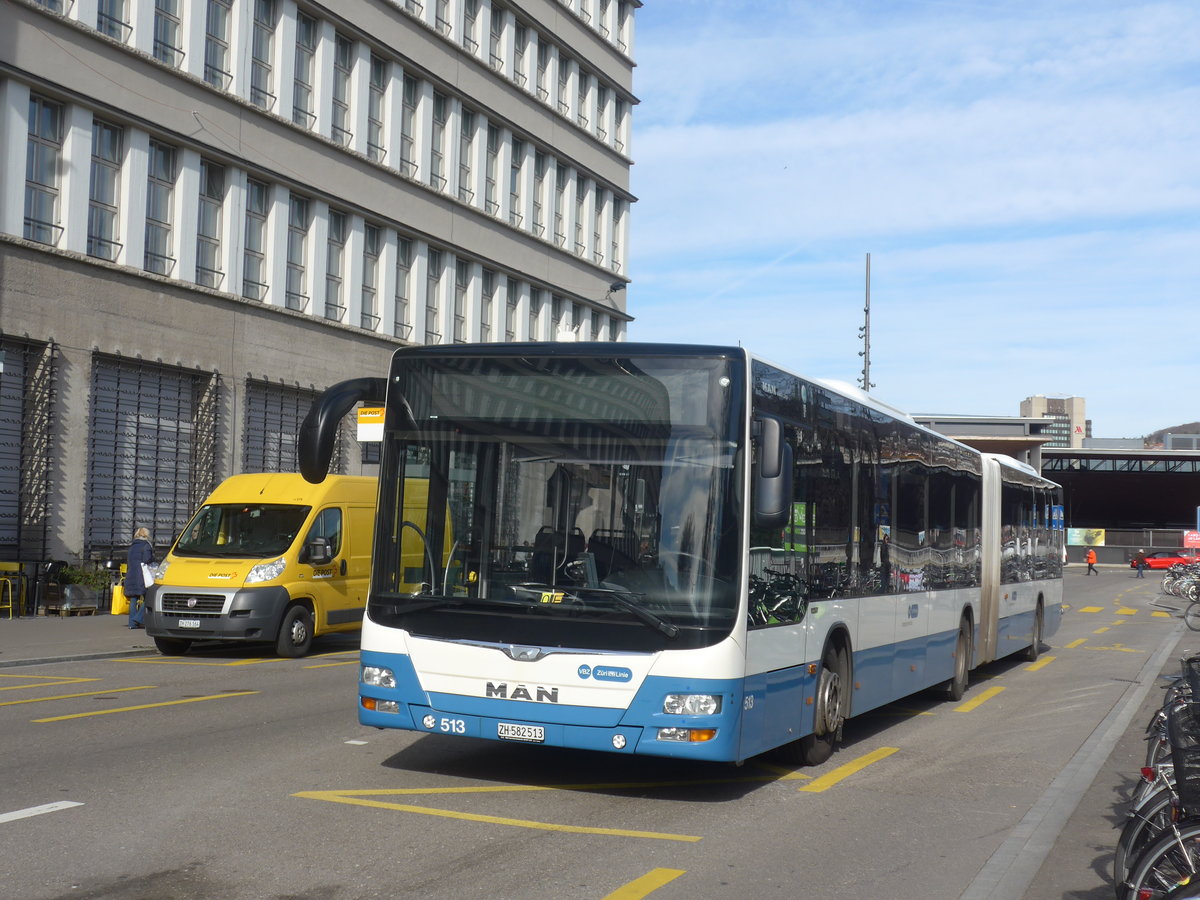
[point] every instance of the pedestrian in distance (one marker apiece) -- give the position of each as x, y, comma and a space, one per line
140, 552
1139, 560
1091, 561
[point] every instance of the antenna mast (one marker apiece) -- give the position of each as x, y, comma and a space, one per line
864, 332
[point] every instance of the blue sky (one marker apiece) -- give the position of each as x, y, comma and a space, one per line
1025, 176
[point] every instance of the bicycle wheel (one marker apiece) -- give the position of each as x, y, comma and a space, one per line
1191, 615
1144, 825
1165, 864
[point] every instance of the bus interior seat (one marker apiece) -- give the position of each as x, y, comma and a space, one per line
548, 552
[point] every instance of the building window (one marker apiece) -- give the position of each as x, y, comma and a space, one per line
107, 155
510, 316
598, 227
539, 186
335, 253
618, 210
166, 33
543, 64
514, 183
262, 55
466, 150
580, 196
297, 254
408, 116
437, 141
370, 277
432, 287
619, 125
535, 313
470, 20
208, 228
490, 204
42, 176
601, 112
441, 18
560, 195
557, 311
404, 252
595, 335
160, 199
254, 269
564, 85
462, 278
584, 83
520, 48
216, 44
110, 20
343, 65
496, 44
302, 92
376, 102
487, 300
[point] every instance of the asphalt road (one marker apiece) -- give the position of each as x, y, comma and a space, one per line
236, 775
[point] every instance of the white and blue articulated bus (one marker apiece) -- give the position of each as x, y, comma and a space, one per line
678, 551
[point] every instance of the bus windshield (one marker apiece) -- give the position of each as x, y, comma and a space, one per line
563, 501
241, 530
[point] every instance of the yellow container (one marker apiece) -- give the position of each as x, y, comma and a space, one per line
120, 604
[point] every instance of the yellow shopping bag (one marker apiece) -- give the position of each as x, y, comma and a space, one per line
120, 604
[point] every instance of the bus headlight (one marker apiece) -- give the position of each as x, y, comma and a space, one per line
692, 704
687, 735
377, 676
266, 571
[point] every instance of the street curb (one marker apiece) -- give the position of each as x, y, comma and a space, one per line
78, 657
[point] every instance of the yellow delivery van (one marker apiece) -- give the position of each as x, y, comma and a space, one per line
268, 557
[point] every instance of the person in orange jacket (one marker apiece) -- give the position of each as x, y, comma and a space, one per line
1091, 561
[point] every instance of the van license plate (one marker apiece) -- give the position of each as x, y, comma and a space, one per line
189, 623
513, 732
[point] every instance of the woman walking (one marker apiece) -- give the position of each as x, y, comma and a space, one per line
140, 552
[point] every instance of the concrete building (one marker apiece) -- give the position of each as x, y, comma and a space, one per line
211, 210
1069, 423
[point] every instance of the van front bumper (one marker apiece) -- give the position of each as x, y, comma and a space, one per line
248, 614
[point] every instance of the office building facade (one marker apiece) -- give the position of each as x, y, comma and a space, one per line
211, 210
1068, 424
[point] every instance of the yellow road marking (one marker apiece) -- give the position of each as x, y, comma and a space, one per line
344, 662
1091, 609
825, 782
1125, 611
783, 773
175, 661
1121, 648
348, 798
56, 682
976, 702
647, 884
142, 687
1160, 615
1101, 630
1040, 664
105, 712
1076, 643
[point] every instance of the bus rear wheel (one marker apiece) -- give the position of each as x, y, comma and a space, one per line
957, 686
1035, 648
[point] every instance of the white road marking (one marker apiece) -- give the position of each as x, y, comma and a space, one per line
37, 810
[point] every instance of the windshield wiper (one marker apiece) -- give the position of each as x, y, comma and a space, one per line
621, 597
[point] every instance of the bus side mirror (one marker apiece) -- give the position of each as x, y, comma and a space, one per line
318, 432
772, 495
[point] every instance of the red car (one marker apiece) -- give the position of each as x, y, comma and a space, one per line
1164, 559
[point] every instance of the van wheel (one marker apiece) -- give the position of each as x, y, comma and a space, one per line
172, 646
295, 633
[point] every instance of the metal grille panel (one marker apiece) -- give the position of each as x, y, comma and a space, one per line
152, 450
273, 416
27, 395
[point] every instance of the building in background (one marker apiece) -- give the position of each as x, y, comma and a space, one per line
212, 210
1069, 424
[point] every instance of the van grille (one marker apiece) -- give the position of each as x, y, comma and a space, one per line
192, 604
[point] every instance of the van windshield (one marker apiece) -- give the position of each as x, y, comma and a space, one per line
247, 531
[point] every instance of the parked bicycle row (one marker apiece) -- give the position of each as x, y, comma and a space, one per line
1158, 853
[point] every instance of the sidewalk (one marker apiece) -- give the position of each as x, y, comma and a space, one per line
44, 639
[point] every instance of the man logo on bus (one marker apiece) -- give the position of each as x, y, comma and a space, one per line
521, 692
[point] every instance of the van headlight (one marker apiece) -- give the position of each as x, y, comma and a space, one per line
266, 571
160, 570
692, 704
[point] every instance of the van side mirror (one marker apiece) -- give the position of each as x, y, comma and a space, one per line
772, 476
318, 552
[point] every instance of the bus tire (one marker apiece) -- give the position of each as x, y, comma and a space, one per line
828, 711
1035, 648
295, 632
957, 686
169, 646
